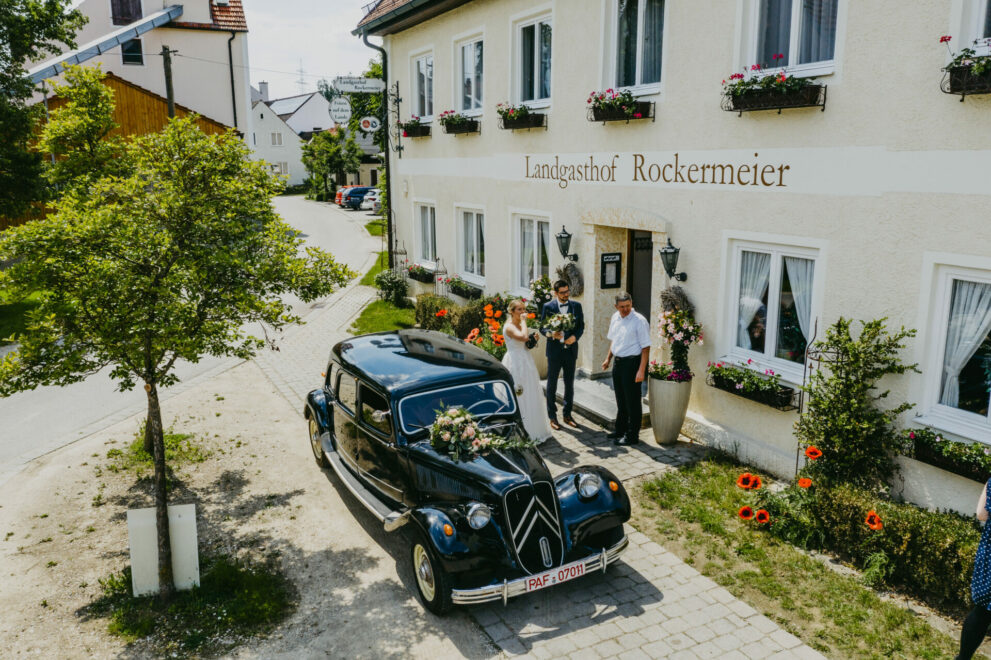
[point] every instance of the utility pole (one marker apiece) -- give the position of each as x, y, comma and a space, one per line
169, 92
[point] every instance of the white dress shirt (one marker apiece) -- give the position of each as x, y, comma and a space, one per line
630, 335
562, 307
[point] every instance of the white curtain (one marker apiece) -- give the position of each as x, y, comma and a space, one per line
774, 34
755, 273
545, 61
468, 224
970, 322
653, 31
526, 252
800, 274
544, 255
818, 31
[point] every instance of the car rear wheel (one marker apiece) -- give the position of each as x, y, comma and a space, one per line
315, 445
432, 581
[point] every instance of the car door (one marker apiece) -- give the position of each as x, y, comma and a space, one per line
345, 429
380, 460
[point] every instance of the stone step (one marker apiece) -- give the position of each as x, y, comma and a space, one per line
596, 401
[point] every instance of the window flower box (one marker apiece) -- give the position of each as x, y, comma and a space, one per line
969, 460
413, 128
754, 90
968, 72
455, 123
420, 274
513, 117
459, 287
747, 383
611, 105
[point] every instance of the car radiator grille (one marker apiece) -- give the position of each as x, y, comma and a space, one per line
534, 526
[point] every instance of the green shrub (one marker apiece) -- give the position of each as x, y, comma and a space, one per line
393, 286
465, 318
927, 554
844, 417
427, 307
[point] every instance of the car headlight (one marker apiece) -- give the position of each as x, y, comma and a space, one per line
588, 484
479, 515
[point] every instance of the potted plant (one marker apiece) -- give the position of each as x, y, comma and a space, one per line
611, 105
670, 384
414, 128
756, 90
519, 116
540, 294
455, 123
747, 382
459, 287
967, 72
967, 459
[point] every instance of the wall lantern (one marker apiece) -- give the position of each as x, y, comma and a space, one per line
400, 258
669, 257
564, 243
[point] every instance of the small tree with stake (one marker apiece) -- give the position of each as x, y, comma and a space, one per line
166, 262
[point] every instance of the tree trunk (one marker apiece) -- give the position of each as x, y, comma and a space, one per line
149, 441
155, 431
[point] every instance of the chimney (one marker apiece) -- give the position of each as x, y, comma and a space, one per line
263, 90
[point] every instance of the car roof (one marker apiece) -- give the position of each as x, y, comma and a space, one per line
406, 361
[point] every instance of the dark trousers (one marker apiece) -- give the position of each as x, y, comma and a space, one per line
975, 626
629, 409
561, 364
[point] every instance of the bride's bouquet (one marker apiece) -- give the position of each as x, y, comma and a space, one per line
560, 323
457, 432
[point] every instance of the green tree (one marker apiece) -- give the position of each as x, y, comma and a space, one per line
29, 29
362, 105
164, 264
328, 154
844, 416
77, 134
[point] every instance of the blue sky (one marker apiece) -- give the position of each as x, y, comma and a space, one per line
281, 33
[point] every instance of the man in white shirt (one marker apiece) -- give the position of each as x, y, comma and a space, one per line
629, 336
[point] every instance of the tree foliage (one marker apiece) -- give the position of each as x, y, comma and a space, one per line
29, 29
362, 105
844, 417
328, 154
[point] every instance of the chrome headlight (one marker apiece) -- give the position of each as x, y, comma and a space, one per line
479, 515
588, 484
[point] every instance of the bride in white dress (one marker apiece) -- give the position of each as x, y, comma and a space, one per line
524, 372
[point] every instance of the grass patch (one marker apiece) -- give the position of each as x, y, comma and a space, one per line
13, 315
380, 264
179, 450
693, 513
375, 227
382, 316
235, 601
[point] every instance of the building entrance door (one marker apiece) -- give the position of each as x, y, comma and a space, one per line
639, 270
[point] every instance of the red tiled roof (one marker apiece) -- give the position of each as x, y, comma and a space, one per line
381, 9
227, 19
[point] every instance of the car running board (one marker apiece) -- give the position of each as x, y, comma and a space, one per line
392, 520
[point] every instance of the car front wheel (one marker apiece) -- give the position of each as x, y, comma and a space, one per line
315, 445
432, 581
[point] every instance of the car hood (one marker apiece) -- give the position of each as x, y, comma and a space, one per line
484, 476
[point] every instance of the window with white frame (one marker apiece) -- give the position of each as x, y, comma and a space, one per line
473, 243
534, 254
283, 167
639, 41
772, 298
423, 86
534, 59
276, 139
470, 81
427, 234
962, 377
795, 32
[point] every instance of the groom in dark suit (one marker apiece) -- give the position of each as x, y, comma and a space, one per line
562, 352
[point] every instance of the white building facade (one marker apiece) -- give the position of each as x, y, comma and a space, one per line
275, 142
871, 204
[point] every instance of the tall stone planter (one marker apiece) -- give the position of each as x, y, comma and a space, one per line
539, 353
668, 401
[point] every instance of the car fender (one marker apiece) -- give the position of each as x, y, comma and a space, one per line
431, 521
584, 517
318, 407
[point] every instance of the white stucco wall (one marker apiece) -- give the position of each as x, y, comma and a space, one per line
314, 115
886, 184
264, 124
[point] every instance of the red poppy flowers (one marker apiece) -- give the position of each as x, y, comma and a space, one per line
812, 452
745, 513
748, 481
804, 482
873, 520
762, 517
441, 313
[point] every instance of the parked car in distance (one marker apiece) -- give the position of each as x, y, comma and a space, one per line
339, 197
377, 206
369, 199
487, 527
353, 196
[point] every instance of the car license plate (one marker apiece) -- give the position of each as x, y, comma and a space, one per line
555, 576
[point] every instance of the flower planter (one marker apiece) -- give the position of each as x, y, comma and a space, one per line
926, 454
466, 292
470, 126
644, 108
960, 80
772, 99
532, 120
426, 278
779, 398
416, 131
668, 401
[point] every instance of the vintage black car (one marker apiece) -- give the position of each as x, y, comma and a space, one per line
486, 528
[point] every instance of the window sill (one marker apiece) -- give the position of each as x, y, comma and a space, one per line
540, 104
954, 427
816, 69
640, 91
474, 280
474, 114
790, 376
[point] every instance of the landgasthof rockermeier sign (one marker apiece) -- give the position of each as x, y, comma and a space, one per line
358, 85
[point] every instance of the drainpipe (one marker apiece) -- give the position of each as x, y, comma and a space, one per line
230, 61
385, 150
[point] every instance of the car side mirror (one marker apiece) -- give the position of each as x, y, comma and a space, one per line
379, 416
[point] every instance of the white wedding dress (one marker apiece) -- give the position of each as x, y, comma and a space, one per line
531, 399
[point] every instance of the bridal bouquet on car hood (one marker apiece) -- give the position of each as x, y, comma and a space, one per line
560, 323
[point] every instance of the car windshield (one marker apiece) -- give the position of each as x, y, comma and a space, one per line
418, 411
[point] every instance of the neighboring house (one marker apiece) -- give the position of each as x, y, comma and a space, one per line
303, 112
273, 141
874, 205
210, 60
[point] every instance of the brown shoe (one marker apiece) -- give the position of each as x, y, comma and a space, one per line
570, 421
555, 425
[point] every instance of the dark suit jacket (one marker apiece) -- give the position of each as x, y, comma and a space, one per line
555, 347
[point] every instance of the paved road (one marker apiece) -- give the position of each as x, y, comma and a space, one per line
35, 423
